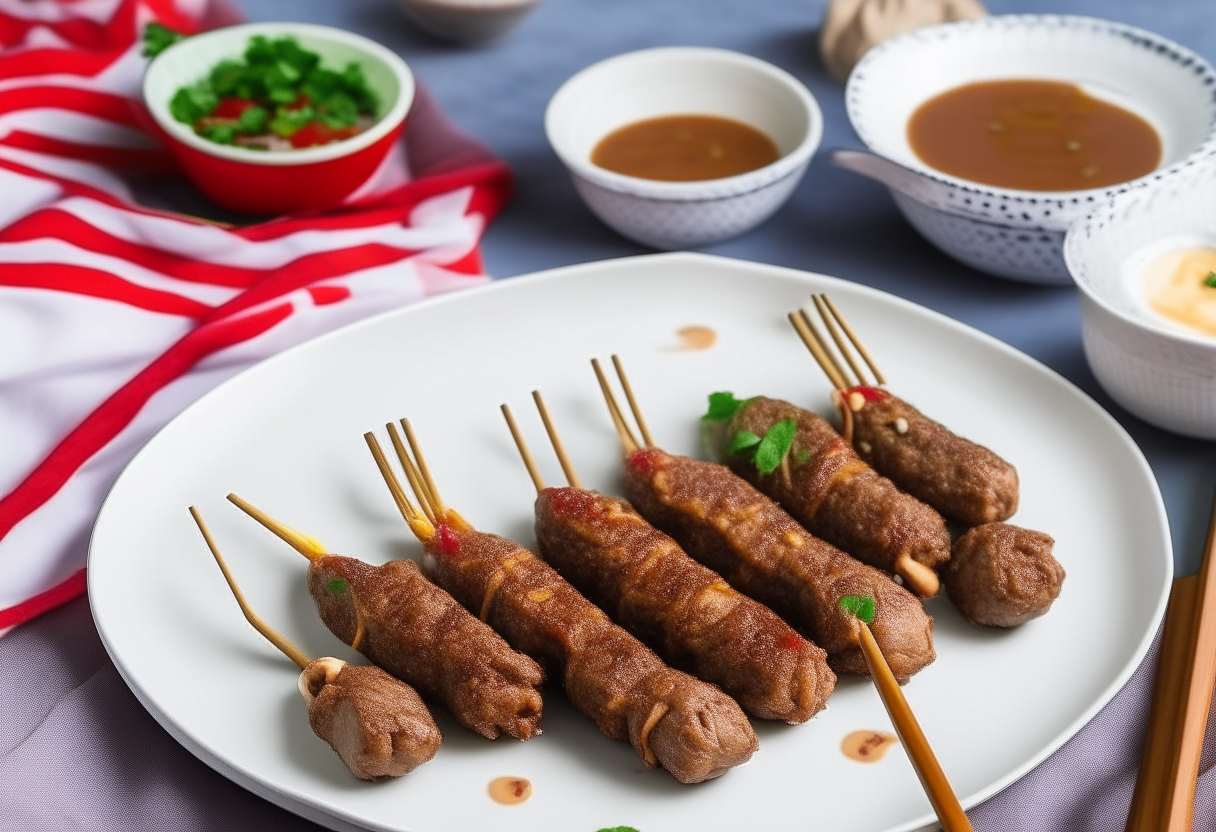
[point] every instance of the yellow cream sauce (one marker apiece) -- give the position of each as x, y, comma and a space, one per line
1176, 287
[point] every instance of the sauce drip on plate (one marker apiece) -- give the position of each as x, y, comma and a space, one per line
685, 148
696, 337
867, 746
1032, 135
510, 790
1180, 285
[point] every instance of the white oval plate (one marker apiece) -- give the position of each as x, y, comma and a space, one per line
287, 435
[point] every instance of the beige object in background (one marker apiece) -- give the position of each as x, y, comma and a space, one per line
851, 27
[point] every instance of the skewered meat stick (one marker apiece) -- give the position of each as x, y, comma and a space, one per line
999, 575
418, 633
683, 611
692, 729
732, 528
378, 725
964, 481
797, 458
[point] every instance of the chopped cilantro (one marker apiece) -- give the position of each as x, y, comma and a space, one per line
1210, 280
252, 120
774, 446
337, 586
861, 606
741, 441
158, 38
219, 133
191, 103
722, 406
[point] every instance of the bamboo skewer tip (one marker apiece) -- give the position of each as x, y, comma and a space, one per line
307, 545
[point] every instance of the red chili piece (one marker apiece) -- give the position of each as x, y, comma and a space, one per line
647, 461
790, 642
315, 133
574, 502
870, 394
449, 543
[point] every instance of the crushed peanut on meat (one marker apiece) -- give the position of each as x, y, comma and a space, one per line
901, 425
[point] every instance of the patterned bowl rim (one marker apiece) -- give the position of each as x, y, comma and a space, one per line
1171, 184
921, 38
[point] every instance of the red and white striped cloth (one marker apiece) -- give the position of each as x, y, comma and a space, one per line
114, 317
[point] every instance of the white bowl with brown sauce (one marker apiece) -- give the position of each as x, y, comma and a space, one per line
1009, 227
713, 89
1145, 264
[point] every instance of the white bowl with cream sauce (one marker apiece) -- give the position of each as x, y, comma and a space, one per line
1158, 365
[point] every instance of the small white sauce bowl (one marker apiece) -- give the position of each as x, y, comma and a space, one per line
467, 22
1012, 233
1158, 370
670, 81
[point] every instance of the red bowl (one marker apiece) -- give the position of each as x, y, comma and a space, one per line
269, 182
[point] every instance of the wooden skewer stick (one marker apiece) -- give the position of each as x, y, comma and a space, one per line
812, 344
431, 489
823, 346
305, 544
1164, 799
633, 405
622, 427
419, 524
411, 473
270, 633
524, 453
924, 761
558, 448
555, 440
848, 330
830, 324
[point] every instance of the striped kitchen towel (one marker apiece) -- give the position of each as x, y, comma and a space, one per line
114, 316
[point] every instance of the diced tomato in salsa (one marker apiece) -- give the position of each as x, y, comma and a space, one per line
231, 107
315, 133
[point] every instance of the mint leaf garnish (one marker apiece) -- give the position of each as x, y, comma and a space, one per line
859, 605
774, 446
722, 406
742, 440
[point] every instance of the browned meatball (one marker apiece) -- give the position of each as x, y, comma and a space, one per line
1001, 575
377, 724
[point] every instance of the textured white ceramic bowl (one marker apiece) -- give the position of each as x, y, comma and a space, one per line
1160, 371
1006, 232
467, 22
675, 81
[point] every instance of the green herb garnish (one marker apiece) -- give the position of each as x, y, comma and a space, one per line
336, 586
741, 441
859, 605
722, 406
158, 38
774, 446
1210, 280
277, 87
619, 829
802, 457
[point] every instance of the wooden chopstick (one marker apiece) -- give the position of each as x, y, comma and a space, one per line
1164, 799
924, 761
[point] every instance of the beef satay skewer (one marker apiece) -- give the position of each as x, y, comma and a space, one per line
378, 725
966, 482
999, 575
420, 634
682, 610
671, 719
729, 526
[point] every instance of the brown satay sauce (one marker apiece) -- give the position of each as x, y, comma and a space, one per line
685, 148
1032, 135
867, 746
510, 790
